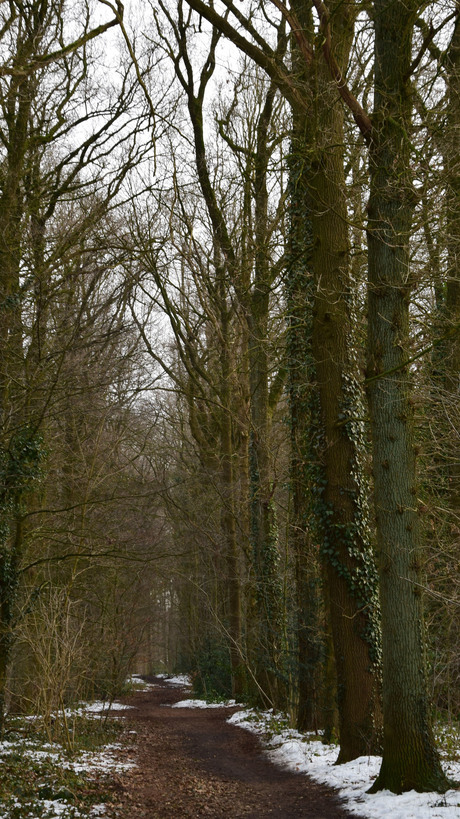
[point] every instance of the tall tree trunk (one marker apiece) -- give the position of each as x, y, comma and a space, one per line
338, 439
303, 418
13, 431
266, 645
341, 505
263, 523
228, 521
452, 311
410, 760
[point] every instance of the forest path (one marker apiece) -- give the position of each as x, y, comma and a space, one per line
192, 763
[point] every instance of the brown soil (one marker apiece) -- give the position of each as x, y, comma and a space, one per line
191, 763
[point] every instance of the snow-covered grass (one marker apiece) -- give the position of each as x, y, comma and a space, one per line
306, 754
50, 809
182, 680
110, 760
203, 704
100, 707
46, 779
136, 683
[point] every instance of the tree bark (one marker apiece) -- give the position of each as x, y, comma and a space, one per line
452, 299
228, 521
17, 105
337, 482
303, 417
410, 760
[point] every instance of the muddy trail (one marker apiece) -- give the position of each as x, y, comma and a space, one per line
191, 763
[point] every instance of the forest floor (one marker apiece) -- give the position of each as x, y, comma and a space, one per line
192, 763
161, 755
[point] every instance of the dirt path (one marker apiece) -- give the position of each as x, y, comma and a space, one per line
191, 763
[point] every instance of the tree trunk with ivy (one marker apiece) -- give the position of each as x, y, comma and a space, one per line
452, 290
13, 434
269, 608
337, 454
228, 522
410, 759
303, 419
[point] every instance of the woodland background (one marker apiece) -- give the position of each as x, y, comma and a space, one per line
229, 381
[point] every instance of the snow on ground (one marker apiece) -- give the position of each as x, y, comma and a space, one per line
203, 704
302, 754
107, 761
100, 707
51, 757
141, 685
84, 709
55, 809
50, 808
180, 679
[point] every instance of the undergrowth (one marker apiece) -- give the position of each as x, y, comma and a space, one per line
42, 779
448, 740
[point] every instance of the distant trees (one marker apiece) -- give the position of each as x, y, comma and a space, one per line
90, 529
56, 183
436, 417
220, 311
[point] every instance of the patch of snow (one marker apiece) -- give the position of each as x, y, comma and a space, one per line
7, 747
298, 753
94, 709
114, 758
14, 802
48, 809
203, 704
180, 679
39, 755
54, 807
101, 707
84, 709
141, 685
106, 761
